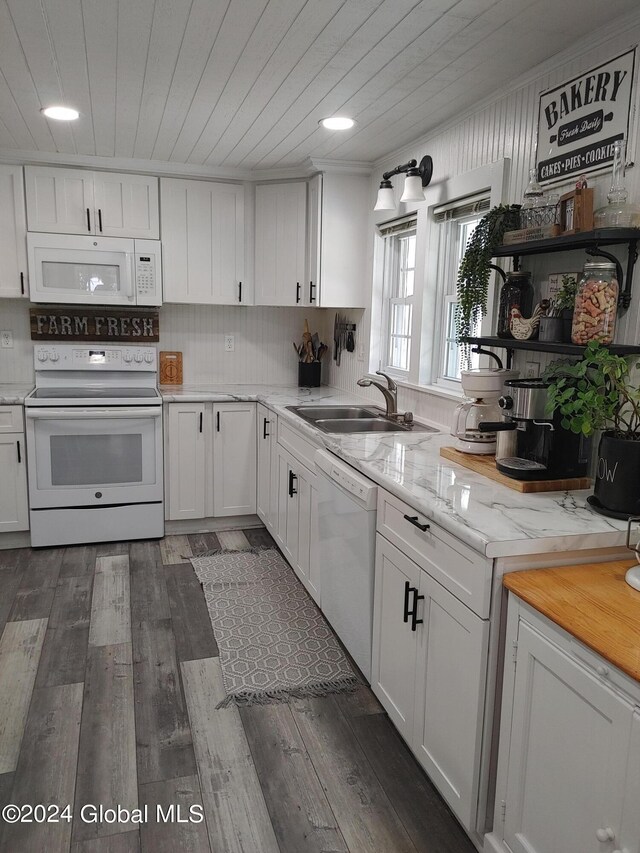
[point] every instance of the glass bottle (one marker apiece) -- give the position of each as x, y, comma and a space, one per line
533, 197
596, 307
517, 292
618, 213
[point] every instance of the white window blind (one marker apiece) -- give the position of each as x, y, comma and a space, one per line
477, 204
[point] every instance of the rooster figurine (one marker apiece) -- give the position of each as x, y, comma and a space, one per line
525, 328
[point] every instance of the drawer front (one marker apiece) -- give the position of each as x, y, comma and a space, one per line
460, 569
303, 450
11, 419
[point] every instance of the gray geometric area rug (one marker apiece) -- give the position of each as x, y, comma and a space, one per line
274, 643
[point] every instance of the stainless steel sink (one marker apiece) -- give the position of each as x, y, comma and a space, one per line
363, 425
315, 413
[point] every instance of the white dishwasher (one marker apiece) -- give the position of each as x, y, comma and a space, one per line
344, 543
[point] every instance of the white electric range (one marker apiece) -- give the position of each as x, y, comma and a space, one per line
94, 445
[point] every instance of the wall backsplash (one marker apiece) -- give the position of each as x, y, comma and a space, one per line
263, 341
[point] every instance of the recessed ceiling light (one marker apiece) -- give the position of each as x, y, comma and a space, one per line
61, 113
337, 123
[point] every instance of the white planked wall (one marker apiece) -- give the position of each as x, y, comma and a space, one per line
505, 127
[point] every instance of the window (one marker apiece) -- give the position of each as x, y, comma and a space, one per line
399, 291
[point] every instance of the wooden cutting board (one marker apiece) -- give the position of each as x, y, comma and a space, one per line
170, 368
486, 465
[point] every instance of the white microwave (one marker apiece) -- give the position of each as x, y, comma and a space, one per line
94, 270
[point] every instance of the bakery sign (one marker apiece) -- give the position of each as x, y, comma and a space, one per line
579, 121
118, 325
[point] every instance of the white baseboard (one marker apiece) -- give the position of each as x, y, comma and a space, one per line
211, 525
22, 539
492, 844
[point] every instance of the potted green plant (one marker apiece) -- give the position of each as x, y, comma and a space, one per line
475, 268
556, 323
597, 394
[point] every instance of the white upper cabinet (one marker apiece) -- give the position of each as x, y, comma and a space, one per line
280, 248
74, 201
337, 241
203, 242
13, 233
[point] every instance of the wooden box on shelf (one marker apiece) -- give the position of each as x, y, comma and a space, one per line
576, 211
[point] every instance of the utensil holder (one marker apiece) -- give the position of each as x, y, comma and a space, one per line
550, 329
309, 374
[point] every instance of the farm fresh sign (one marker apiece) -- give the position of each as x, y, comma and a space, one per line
579, 121
118, 325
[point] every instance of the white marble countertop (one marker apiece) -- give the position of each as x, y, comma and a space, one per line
13, 394
489, 517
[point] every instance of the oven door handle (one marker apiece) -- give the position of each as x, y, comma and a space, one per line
92, 414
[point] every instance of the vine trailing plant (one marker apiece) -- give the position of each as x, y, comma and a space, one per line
595, 393
473, 275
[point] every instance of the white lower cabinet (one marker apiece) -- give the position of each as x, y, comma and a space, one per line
266, 493
569, 762
234, 459
429, 664
14, 508
211, 460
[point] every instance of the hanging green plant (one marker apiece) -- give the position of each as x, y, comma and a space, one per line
473, 275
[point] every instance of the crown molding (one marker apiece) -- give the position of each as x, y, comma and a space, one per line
344, 167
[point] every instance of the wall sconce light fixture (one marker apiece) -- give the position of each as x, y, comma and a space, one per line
418, 176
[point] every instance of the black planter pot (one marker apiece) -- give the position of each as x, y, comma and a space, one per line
617, 485
567, 323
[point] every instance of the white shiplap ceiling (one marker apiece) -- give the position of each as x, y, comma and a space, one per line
241, 84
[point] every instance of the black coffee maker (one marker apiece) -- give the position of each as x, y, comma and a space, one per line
544, 449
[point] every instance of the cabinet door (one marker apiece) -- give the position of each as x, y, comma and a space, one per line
266, 422
288, 507
186, 475
343, 248
305, 484
14, 510
280, 250
234, 459
126, 205
568, 752
60, 201
394, 642
450, 685
630, 834
13, 233
314, 235
203, 242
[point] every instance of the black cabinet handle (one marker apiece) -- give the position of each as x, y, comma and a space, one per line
88, 220
413, 519
22, 283
407, 590
312, 287
416, 598
265, 434
292, 491
217, 421
239, 291
297, 292
200, 427
19, 454
100, 219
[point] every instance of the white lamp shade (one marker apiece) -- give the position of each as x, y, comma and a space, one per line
413, 189
386, 199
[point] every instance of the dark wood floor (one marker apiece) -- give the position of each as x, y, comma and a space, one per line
109, 678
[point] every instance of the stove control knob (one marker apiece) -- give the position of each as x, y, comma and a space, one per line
506, 402
54, 356
138, 357
148, 357
126, 356
42, 355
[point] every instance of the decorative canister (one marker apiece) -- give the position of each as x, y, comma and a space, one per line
594, 316
517, 292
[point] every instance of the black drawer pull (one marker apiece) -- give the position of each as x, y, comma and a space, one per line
312, 287
200, 425
100, 219
265, 434
88, 220
416, 598
292, 491
19, 454
407, 590
217, 421
239, 291
413, 519
297, 292
22, 283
